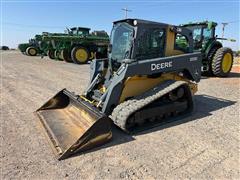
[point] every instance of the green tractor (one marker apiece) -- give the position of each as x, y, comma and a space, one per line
78, 46
217, 60
32, 47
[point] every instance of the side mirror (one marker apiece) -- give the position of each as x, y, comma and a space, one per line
109, 48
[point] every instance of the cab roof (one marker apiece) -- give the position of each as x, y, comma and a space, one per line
80, 28
199, 23
139, 21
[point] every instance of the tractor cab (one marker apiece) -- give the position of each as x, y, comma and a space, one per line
38, 37
216, 59
33, 41
203, 33
79, 31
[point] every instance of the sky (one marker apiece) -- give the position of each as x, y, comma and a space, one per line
22, 19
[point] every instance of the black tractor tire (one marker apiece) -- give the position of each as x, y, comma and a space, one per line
66, 55
31, 51
80, 55
210, 56
50, 54
222, 62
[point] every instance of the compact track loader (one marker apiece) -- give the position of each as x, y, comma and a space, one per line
146, 79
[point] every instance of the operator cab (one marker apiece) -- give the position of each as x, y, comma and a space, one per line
79, 31
136, 40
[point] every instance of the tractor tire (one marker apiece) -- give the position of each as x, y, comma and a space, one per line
50, 54
210, 57
66, 55
222, 62
31, 51
79, 55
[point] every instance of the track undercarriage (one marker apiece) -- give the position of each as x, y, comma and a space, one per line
169, 99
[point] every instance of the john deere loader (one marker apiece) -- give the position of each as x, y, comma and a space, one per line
147, 78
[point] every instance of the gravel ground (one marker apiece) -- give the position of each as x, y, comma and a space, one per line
203, 146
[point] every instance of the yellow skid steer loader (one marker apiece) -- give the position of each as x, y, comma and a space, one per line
150, 75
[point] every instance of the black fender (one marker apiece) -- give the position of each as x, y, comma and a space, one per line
214, 43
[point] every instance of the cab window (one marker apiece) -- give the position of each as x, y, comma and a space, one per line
151, 44
207, 33
74, 32
197, 38
181, 43
197, 34
80, 33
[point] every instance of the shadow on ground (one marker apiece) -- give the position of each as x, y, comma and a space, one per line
231, 75
204, 106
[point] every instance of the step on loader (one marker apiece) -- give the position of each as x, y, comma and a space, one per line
147, 78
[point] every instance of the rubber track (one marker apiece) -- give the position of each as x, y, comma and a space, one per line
121, 113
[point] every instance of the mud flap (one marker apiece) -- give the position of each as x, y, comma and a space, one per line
73, 125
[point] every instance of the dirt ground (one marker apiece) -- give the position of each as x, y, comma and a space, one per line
202, 146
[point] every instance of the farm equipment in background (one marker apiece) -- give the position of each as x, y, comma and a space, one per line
32, 47
78, 45
147, 79
36, 45
217, 60
22, 47
46, 45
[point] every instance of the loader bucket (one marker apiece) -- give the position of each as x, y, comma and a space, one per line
73, 125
